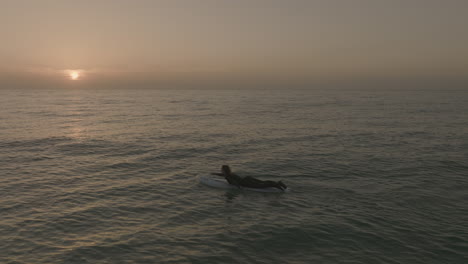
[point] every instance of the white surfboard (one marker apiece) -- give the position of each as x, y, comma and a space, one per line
221, 183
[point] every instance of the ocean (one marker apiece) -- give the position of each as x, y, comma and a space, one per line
112, 176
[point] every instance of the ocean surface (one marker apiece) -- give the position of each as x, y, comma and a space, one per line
111, 176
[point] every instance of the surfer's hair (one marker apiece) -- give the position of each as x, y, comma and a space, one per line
226, 169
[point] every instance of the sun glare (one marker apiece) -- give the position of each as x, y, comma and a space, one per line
74, 75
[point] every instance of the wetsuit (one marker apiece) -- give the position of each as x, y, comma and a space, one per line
256, 183
234, 179
250, 182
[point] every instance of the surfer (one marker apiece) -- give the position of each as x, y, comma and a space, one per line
247, 181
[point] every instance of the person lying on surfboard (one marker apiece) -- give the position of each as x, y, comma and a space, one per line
247, 181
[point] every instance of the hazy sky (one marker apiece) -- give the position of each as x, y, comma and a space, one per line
150, 41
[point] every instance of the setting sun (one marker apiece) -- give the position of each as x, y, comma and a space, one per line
74, 75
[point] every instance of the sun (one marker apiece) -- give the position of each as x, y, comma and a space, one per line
74, 75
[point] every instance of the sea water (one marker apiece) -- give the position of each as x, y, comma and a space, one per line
111, 176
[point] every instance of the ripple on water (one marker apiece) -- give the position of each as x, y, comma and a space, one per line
93, 177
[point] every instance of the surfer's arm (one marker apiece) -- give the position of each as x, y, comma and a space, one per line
236, 184
236, 181
233, 180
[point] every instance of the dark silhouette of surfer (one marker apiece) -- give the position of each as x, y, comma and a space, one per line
247, 181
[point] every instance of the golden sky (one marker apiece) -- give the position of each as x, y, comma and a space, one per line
150, 41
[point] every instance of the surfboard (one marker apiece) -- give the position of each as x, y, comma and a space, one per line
222, 184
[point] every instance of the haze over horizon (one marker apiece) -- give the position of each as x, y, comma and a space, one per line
146, 43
